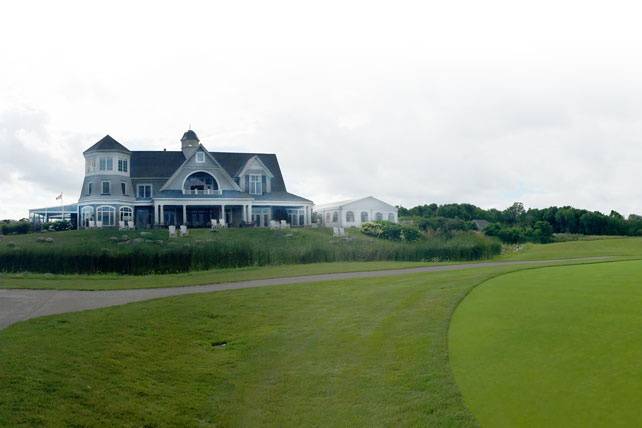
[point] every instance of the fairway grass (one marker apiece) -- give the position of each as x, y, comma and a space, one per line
557, 346
343, 353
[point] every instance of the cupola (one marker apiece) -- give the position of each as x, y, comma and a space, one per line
189, 143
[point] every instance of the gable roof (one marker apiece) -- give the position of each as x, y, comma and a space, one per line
200, 148
340, 204
107, 143
163, 164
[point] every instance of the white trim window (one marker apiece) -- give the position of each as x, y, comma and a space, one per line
87, 215
144, 191
200, 157
364, 216
123, 165
391, 217
106, 214
256, 184
90, 188
105, 187
379, 217
106, 164
123, 188
126, 214
350, 217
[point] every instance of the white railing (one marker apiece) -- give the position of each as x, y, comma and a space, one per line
202, 192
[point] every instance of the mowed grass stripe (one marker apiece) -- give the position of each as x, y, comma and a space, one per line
558, 346
360, 352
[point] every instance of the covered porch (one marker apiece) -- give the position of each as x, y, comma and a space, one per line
60, 212
200, 214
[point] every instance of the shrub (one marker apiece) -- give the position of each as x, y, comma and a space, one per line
16, 227
61, 225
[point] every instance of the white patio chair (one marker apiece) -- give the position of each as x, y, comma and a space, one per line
172, 231
121, 225
222, 223
99, 224
342, 231
131, 225
91, 224
284, 224
214, 224
274, 224
335, 231
183, 230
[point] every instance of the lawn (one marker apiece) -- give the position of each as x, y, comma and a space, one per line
559, 346
362, 352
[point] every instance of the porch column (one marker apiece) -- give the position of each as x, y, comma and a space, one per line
185, 214
245, 211
162, 214
155, 214
249, 213
222, 217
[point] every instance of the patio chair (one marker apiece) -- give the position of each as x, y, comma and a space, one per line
342, 231
335, 231
274, 224
172, 231
121, 225
222, 223
91, 224
131, 225
214, 224
99, 224
284, 224
183, 230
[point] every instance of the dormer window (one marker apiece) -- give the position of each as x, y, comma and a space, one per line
256, 185
200, 157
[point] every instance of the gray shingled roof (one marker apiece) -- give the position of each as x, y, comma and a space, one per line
107, 143
190, 135
163, 164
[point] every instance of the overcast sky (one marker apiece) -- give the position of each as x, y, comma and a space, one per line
481, 102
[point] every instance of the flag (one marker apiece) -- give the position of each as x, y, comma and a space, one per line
59, 197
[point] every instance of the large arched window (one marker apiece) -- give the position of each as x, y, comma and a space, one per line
87, 214
126, 214
364, 216
107, 215
391, 217
379, 217
335, 217
350, 217
200, 183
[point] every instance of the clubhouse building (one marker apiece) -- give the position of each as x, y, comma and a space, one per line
192, 186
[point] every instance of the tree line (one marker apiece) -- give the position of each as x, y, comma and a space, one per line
516, 224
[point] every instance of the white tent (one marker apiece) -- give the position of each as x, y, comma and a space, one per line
354, 212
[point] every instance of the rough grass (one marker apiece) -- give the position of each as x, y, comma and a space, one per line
214, 276
555, 346
616, 247
346, 353
107, 251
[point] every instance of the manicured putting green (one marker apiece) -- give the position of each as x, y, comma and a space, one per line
557, 346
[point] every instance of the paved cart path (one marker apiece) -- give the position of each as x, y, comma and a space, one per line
19, 304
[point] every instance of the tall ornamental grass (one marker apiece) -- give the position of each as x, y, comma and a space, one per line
228, 250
